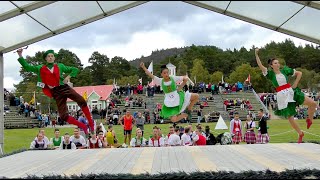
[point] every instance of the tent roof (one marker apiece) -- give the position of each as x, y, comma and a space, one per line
26, 22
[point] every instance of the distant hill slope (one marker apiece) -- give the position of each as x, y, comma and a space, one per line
158, 55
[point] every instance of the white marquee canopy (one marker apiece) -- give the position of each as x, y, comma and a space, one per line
26, 22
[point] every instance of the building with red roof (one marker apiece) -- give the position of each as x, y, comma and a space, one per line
96, 96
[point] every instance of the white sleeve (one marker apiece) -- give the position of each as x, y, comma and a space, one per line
170, 140
100, 143
46, 140
157, 80
73, 146
183, 139
195, 138
231, 126
150, 143
87, 144
61, 146
294, 72
32, 145
83, 141
143, 142
132, 143
45, 145
265, 72
177, 78
161, 140
253, 124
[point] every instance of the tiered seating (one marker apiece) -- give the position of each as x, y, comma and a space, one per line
12, 119
256, 105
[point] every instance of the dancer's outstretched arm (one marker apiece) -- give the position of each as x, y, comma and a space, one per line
26, 66
146, 70
263, 69
296, 82
185, 79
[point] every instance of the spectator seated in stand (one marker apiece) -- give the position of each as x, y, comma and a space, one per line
205, 104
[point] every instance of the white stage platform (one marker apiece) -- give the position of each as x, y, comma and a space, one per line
237, 158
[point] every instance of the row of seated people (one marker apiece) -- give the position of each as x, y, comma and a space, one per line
178, 136
243, 104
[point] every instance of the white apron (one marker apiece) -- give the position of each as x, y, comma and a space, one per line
284, 97
172, 99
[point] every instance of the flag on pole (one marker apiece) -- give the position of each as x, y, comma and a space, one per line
140, 80
150, 68
248, 78
85, 96
33, 100
222, 81
189, 81
114, 84
195, 79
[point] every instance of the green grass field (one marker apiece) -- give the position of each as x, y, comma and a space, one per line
15, 139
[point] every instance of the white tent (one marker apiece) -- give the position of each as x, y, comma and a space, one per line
26, 22
221, 124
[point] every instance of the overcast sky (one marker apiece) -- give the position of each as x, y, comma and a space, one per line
153, 25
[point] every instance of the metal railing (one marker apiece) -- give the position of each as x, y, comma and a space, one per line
259, 100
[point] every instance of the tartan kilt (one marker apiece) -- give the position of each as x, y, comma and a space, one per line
250, 137
262, 139
237, 137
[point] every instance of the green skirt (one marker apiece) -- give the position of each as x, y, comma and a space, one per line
291, 109
168, 112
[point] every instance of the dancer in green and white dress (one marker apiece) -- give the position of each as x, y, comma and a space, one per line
176, 101
288, 97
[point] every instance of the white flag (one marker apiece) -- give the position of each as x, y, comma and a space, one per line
114, 84
150, 68
222, 80
103, 129
140, 80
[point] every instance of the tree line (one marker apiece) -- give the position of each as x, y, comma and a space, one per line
202, 63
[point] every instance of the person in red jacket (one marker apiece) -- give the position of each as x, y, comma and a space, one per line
54, 85
199, 139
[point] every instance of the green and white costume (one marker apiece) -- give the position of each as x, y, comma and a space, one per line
288, 98
174, 102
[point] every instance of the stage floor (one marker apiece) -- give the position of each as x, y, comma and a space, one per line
276, 157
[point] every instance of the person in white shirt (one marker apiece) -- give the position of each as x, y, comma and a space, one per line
185, 138
39, 142
78, 140
66, 143
156, 140
93, 142
174, 139
139, 140
44, 137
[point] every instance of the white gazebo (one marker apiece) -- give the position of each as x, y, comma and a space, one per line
172, 69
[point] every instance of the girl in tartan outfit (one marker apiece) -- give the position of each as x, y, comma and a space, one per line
236, 129
250, 135
176, 100
288, 97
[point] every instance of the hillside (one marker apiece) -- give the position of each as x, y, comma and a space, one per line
158, 55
